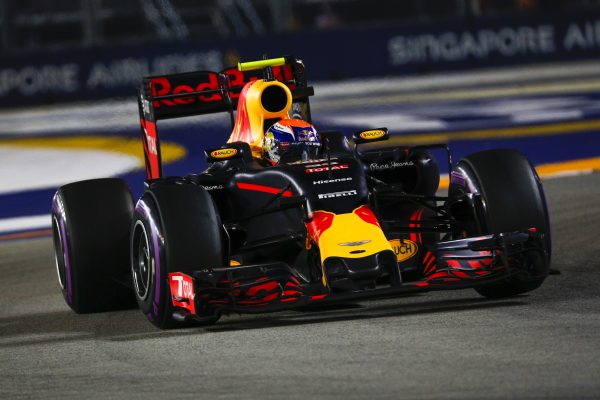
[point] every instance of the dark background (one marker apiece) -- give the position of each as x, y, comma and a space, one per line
31, 26
63, 50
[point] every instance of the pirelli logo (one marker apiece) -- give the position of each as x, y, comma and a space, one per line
344, 193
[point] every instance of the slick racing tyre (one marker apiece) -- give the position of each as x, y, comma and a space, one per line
176, 228
512, 200
90, 228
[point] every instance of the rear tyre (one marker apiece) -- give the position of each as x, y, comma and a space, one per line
513, 200
90, 228
175, 228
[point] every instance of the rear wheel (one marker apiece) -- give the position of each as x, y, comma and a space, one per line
176, 228
90, 227
512, 200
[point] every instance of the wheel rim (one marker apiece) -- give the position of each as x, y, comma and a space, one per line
59, 252
142, 264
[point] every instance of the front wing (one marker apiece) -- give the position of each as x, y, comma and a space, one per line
270, 287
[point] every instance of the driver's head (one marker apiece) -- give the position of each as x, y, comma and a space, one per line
291, 140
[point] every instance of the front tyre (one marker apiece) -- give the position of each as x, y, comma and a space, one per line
175, 228
512, 200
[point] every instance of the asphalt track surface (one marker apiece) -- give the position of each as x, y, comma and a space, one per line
437, 345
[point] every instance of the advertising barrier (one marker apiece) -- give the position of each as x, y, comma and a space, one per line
328, 54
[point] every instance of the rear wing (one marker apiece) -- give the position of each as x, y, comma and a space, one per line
207, 92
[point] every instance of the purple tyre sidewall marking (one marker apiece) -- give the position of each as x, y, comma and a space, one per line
540, 187
67, 262
58, 211
142, 209
461, 178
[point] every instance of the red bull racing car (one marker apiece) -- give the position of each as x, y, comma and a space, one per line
286, 216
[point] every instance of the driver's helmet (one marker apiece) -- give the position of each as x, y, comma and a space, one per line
291, 140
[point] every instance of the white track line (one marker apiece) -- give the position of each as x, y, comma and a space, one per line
31, 222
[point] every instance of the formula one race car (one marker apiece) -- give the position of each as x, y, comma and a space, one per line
286, 216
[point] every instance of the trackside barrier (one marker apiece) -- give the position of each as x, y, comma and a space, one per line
328, 55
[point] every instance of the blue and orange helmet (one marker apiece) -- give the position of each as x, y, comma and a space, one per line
291, 140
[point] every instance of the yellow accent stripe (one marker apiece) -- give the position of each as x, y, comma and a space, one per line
251, 65
170, 152
565, 128
444, 182
573, 166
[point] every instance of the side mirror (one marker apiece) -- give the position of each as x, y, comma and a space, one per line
371, 135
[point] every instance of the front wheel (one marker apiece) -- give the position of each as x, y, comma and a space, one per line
512, 199
175, 228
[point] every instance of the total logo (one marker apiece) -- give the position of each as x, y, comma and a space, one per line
324, 181
344, 193
146, 106
152, 148
182, 286
326, 168
151, 141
